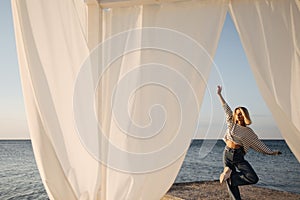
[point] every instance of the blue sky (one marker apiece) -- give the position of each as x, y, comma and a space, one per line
12, 113
230, 59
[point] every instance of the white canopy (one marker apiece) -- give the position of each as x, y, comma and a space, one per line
113, 89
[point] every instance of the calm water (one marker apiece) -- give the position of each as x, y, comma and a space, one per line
19, 177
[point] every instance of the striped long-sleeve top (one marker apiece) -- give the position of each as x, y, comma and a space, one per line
243, 136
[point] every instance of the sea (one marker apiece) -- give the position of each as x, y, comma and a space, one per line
19, 176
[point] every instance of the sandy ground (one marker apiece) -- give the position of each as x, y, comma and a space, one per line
213, 190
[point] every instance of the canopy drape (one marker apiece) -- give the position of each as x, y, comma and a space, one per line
269, 32
113, 95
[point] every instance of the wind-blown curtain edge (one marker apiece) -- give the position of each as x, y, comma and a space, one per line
37, 132
288, 129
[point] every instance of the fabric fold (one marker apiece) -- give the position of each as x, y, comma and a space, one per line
273, 54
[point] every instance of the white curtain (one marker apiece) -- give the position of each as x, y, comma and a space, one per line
113, 95
269, 31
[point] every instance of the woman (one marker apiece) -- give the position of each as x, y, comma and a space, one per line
239, 138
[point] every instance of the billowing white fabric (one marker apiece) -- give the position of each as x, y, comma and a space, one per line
269, 31
54, 40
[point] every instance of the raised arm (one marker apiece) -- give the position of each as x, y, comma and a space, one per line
219, 92
227, 109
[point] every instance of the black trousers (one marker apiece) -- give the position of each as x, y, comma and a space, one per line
234, 159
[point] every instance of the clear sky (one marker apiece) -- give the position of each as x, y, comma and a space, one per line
231, 62
12, 113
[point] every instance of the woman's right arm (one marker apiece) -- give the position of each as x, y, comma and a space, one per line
219, 92
227, 109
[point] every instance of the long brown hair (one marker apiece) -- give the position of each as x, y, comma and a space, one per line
245, 114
